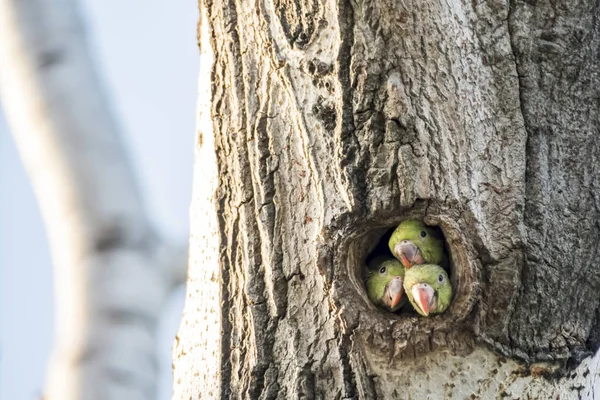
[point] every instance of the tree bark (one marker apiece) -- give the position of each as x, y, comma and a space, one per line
113, 271
334, 121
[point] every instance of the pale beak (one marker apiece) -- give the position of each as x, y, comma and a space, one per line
393, 293
423, 295
408, 254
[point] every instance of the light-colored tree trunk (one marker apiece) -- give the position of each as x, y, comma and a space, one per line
333, 121
112, 269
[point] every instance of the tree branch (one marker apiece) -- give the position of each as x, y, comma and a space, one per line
109, 283
174, 262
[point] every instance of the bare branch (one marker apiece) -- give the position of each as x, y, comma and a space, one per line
109, 281
173, 259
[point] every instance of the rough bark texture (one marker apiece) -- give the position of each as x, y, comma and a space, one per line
112, 269
333, 121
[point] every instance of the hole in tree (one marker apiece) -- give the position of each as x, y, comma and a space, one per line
403, 332
381, 249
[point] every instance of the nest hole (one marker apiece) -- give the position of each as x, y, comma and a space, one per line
404, 331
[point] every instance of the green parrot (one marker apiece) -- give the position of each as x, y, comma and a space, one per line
428, 289
415, 243
385, 283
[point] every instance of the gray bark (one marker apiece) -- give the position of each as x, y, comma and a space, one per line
332, 122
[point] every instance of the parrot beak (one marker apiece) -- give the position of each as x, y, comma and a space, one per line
408, 253
393, 293
424, 297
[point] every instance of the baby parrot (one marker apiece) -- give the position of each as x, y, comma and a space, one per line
415, 243
428, 289
385, 283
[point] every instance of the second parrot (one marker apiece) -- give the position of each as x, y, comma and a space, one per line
385, 283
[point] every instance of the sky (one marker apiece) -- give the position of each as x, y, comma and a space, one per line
148, 56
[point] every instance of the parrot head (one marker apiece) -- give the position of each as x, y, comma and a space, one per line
428, 289
414, 243
385, 283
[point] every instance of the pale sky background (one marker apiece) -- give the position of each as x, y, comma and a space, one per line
149, 58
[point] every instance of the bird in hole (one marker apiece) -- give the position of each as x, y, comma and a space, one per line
385, 283
428, 288
414, 243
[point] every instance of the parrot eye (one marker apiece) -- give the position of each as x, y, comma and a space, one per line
423, 233
440, 278
382, 270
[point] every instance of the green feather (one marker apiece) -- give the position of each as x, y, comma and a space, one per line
431, 243
381, 272
434, 276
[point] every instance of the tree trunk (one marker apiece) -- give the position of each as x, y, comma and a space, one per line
332, 122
